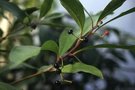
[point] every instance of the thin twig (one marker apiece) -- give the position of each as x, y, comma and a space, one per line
77, 58
33, 75
61, 76
105, 23
76, 45
89, 16
25, 78
2, 39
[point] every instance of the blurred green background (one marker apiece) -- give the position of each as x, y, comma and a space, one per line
114, 63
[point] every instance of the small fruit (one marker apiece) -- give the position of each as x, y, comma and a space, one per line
101, 22
56, 65
57, 82
70, 31
58, 71
85, 39
33, 25
106, 33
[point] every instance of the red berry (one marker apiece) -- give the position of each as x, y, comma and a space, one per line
106, 33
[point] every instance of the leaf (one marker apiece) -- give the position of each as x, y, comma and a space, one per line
54, 16
127, 12
13, 8
67, 40
118, 55
45, 68
75, 9
122, 14
30, 10
81, 67
5, 86
45, 7
28, 66
88, 23
51, 46
129, 47
111, 7
19, 54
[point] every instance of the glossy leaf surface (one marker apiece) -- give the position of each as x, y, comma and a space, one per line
75, 9
51, 46
81, 67
19, 54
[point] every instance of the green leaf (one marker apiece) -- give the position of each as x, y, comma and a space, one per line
30, 10
75, 9
51, 46
13, 8
54, 16
127, 12
111, 7
28, 66
45, 7
5, 86
19, 54
129, 47
67, 40
45, 68
81, 67
122, 14
118, 54
88, 23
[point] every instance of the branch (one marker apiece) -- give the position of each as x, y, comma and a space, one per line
72, 50
2, 39
25, 78
51, 69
